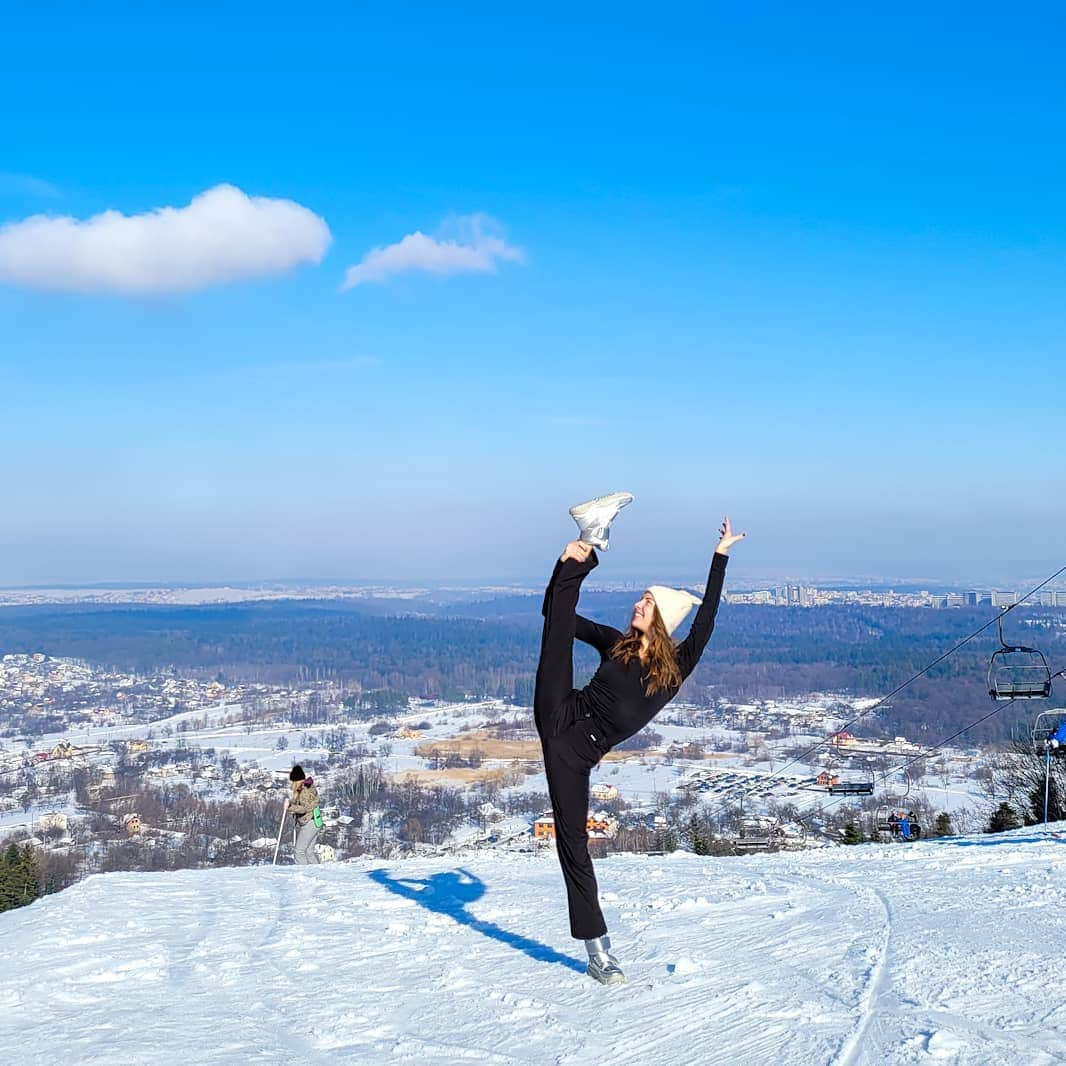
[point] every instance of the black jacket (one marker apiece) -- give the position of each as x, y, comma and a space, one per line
614, 700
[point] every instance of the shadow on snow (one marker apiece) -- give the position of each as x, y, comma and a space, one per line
996, 840
450, 894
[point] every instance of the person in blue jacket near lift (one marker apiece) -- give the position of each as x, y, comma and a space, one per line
1057, 740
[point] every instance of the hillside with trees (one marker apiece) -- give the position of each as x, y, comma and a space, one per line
490, 649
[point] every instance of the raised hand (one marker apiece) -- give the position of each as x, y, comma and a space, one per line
728, 537
577, 550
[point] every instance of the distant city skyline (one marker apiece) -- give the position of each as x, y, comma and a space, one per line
346, 294
799, 593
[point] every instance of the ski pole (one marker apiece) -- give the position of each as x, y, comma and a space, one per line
281, 829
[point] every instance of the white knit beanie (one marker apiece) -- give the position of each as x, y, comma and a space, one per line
673, 605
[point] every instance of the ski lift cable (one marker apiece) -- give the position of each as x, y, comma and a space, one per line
910, 680
947, 740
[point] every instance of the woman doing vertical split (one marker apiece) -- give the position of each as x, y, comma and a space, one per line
640, 671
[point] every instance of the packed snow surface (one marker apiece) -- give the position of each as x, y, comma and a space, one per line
942, 951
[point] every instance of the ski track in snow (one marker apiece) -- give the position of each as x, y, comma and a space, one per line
876, 978
932, 952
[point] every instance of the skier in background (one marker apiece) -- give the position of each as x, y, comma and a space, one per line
302, 806
640, 671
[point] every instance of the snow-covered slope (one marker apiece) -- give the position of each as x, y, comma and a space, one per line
944, 951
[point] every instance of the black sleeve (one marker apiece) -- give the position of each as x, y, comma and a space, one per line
602, 638
691, 648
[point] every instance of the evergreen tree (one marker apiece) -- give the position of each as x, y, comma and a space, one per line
1055, 812
852, 834
1003, 818
19, 877
943, 826
695, 837
666, 839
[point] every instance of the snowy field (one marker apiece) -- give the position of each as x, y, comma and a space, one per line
944, 951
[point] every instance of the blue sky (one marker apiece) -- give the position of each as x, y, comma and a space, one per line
804, 269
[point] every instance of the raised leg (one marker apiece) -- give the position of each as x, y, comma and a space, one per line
555, 670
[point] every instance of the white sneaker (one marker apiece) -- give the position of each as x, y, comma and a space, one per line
603, 966
594, 518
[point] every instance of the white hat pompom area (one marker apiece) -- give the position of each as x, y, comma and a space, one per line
673, 605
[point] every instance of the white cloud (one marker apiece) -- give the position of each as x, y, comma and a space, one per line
222, 235
476, 249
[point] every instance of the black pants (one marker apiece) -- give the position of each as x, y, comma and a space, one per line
569, 754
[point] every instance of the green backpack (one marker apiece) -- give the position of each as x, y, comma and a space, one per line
316, 816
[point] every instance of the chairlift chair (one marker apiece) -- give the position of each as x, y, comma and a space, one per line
915, 830
890, 803
884, 825
851, 788
882, 820
1044, 728
763, 843
755, 835
1018, 673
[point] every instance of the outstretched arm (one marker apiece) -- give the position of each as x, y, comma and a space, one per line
601, 637
691, 648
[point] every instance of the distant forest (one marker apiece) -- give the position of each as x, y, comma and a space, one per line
489, 648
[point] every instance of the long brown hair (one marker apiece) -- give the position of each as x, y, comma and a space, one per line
661, 669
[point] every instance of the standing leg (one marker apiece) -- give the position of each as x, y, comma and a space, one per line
305, 844
555, 670
569, 792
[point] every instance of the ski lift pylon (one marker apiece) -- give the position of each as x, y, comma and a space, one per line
1016, 672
